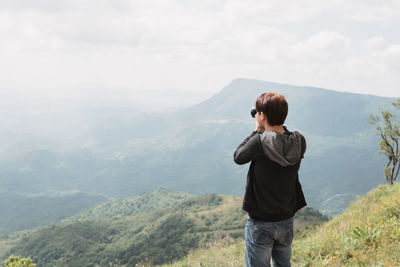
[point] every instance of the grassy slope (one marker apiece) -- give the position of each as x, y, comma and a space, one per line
367, 234
218, 254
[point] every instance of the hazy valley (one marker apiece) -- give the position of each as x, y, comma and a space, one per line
122, 152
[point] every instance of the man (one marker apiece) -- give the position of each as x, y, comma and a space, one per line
273, 191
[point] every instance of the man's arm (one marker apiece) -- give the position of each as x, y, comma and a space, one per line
248, 149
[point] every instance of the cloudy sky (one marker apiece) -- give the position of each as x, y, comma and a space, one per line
125, 48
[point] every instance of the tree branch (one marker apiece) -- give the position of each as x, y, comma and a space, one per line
387, 143
390, 161
397, 172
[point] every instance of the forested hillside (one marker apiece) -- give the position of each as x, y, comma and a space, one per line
160, 236
160, 198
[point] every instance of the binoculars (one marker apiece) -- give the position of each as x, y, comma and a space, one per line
253, 112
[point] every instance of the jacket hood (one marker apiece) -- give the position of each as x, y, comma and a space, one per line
282, 148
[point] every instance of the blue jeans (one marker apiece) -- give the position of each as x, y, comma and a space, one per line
266, 239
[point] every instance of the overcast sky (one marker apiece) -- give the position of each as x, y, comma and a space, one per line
122, 48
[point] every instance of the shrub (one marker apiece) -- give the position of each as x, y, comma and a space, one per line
15, 261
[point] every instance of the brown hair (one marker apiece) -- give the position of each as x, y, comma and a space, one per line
274, 106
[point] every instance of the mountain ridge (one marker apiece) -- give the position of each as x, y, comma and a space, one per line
160, 198
191, 150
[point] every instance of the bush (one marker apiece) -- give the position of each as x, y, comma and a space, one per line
15, 261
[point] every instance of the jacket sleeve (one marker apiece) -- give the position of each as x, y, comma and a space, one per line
248, 149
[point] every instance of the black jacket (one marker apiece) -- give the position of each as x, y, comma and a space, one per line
273, 191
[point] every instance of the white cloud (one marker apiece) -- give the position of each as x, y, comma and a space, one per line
269, 11
372, 10
322, 47
391, 57
38, 5
374, 43
66, 45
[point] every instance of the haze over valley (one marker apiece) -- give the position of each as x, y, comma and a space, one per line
120, 152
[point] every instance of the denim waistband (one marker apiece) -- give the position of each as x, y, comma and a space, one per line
285, 221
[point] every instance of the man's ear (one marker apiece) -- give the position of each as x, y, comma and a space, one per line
263, 116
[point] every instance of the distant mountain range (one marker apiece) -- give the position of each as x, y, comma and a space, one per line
121, 154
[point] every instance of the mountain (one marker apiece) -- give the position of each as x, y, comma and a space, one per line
120, 154
21, 212
161, 235
366, 234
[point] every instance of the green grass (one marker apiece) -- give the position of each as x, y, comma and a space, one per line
366, 234
218, 254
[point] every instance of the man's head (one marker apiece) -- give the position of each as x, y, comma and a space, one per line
274, 107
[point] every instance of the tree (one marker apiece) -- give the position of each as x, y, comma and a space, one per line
388, 129
15, 261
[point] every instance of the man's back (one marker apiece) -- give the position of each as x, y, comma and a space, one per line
273, 191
